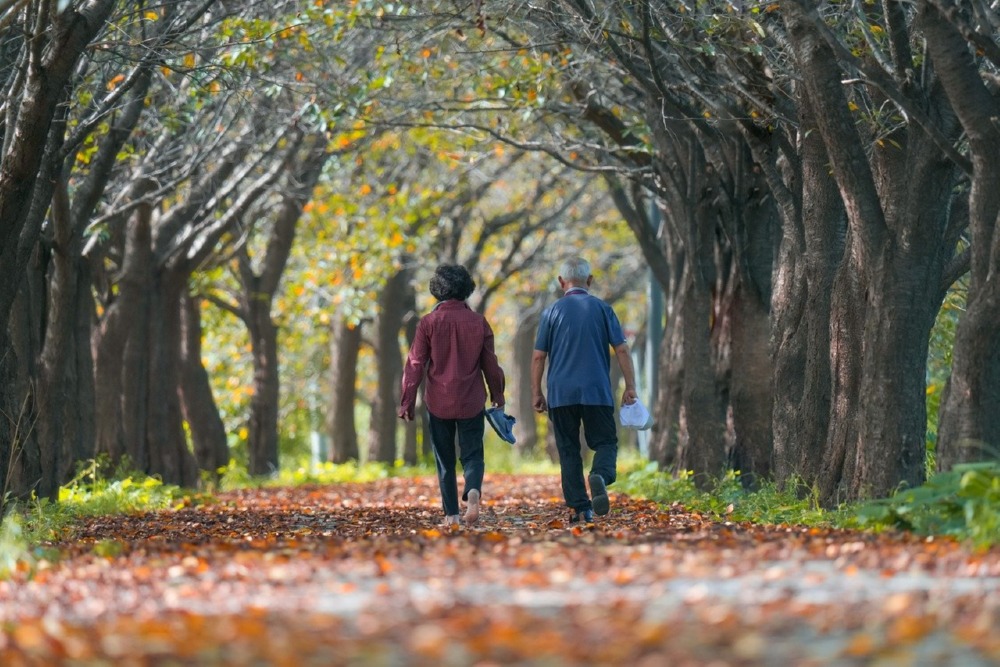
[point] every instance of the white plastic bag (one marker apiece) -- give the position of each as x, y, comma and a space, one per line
635, 416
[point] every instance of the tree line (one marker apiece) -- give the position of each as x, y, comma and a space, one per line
804, 181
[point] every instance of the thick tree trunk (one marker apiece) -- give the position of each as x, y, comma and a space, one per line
750, 388
138, 365
970, 421
262, 447
345, 344
887, 289
704, 451
208, 433
811, 248
391, 309
164, 438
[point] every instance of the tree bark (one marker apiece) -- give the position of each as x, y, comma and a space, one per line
208, 433
391, 310
345, 345
522, 347
969, 427
262, 446
886, 291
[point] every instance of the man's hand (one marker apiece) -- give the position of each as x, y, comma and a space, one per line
406, 414
629, 397
538, 402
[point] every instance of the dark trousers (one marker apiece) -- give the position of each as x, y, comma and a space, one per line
470, 445
602, 436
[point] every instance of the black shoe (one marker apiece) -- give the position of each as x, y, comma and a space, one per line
599, 495
586, 516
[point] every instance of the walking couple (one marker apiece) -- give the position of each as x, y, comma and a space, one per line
454, 349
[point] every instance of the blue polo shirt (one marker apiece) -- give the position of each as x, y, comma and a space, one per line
577, 333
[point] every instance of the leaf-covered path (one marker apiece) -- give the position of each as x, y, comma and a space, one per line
363, 574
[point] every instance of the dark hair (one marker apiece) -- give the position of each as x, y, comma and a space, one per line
451, 281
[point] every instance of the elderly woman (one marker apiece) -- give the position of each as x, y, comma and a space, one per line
454, 345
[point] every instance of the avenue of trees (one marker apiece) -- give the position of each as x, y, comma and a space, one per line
217, 219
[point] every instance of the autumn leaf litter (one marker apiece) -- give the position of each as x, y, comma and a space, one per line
365, 574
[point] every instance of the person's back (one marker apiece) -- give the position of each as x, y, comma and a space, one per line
575, 336
578, 332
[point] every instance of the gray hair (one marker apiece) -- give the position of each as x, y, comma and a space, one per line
576, 269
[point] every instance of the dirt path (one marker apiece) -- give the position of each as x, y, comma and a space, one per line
364, 575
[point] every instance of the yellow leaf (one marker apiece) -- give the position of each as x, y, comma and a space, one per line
877, 29
115, 81
365, 189
215, 87
852, 106
189, 60
243, 433
152, 16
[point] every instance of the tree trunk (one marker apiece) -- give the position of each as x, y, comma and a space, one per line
410, 319
970, 421
263, 427
887, 289
138, 365
164, 438
814, 227
345, 344
523, 347
208, 433
391, 311
750, 391
704, 451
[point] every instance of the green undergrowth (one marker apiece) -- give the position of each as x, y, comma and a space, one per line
96, 490
963, 502
727, 499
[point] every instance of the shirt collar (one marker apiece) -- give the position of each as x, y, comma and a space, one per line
451, 303
576, 290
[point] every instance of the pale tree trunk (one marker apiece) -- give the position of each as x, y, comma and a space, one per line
519, 396
345, 345
970, 421
389, 323
208, 433
410, 319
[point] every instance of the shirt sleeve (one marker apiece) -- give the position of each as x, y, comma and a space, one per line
615, 334
491, 367
542, 337
413, 371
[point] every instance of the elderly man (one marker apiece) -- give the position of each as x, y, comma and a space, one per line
575, 336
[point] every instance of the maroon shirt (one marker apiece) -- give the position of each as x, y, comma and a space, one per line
455, 344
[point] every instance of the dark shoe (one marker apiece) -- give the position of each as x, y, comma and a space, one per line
586, 516
599, 495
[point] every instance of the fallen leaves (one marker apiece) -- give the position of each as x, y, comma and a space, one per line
367, 573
